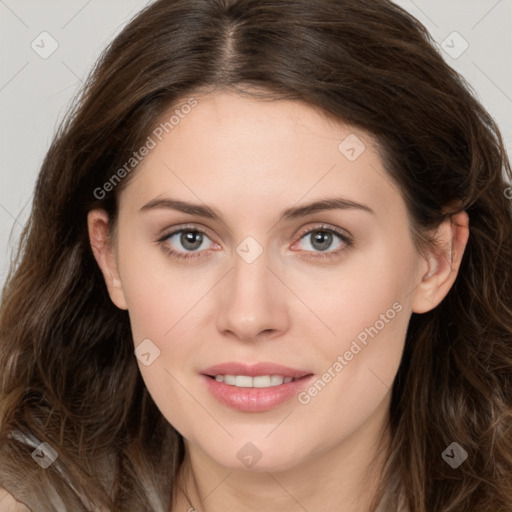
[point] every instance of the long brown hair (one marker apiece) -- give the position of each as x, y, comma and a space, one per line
69, 373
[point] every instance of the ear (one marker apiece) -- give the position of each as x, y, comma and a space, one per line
98, 226
442, 265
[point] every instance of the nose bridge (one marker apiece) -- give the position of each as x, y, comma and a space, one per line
251, 304
250, 273
251, 276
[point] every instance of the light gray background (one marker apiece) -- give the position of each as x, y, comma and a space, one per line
35, 92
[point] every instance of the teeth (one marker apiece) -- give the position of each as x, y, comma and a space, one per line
245, 381
242, 381
263, 381
230, 379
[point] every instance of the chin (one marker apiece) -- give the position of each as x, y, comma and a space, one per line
258, 456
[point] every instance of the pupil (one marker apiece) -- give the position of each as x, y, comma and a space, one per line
323, 238
187, 239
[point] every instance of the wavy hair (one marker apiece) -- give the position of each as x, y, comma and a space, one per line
69, 373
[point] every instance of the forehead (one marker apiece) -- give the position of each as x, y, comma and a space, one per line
255, 153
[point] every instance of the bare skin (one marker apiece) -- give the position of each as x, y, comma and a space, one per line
250, 160
9, 504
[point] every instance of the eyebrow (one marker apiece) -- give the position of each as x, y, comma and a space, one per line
334, 203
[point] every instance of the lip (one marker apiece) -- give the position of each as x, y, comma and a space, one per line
255, 399
254, 370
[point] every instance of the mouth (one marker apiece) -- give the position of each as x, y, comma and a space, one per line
254, 388
260, 381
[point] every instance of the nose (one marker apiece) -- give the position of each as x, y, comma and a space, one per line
253, 303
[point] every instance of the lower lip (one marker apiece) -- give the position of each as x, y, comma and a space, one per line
255, 399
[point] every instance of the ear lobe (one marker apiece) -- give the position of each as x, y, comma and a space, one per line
98, 227
443, 263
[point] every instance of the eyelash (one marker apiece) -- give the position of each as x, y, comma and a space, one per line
328, 255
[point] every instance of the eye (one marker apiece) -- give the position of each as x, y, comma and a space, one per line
321, 238
191, 239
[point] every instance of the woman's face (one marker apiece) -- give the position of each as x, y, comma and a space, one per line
268, 285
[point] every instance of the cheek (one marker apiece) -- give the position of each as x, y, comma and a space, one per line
164, 305
367, 310
162, 315
159, 293
366, 298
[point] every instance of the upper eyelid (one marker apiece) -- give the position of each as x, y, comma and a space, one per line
167, 233
324, 227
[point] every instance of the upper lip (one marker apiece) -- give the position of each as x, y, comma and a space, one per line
254, 370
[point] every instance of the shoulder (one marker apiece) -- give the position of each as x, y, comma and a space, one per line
9, 504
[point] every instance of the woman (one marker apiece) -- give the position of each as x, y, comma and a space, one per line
338, 335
